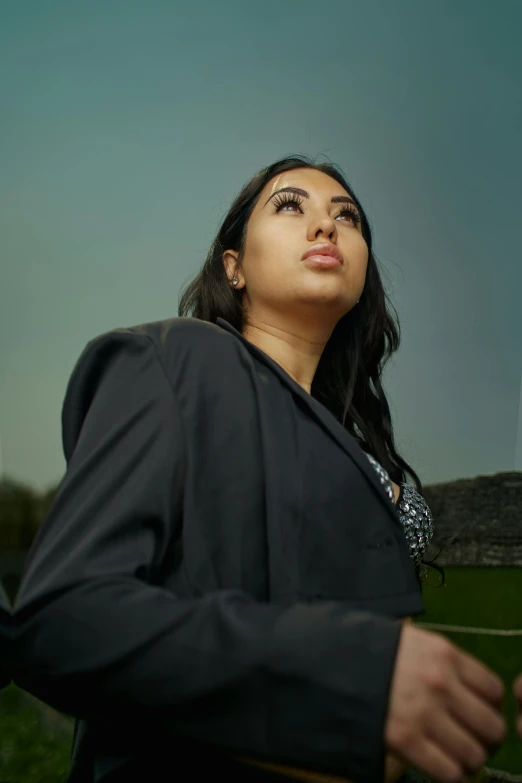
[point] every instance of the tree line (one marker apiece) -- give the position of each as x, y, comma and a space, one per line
22, 511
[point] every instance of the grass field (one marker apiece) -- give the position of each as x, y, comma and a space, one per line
32, 747
35, 749
484, 598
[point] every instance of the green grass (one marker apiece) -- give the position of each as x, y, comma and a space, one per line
484, 598
481, 597
32, 750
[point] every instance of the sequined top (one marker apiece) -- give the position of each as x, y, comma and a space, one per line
414, 513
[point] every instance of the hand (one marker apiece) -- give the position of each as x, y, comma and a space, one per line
517, 690
444, 707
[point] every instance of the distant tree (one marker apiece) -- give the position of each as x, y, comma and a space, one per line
22, 511
46, 501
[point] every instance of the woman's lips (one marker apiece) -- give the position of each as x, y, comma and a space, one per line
326, 262
324, 249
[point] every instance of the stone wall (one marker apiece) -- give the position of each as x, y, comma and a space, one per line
479, 520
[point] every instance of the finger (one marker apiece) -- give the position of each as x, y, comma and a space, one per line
476, 715
482, 680
432, 761
453, 739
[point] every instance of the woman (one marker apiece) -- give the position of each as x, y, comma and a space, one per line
218, 583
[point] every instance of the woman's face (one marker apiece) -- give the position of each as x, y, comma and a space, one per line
285, 225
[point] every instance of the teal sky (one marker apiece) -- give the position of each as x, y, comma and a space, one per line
128, 128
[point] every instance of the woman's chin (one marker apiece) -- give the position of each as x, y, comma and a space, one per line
325, 297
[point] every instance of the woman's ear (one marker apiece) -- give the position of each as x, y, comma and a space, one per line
230, 263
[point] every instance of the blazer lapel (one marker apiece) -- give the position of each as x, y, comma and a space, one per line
327, 420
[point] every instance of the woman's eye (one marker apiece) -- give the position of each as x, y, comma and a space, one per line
349, 213
286, 203
352, 215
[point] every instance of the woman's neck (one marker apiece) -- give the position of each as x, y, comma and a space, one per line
298, 355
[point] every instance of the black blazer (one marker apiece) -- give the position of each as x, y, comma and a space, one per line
173, 584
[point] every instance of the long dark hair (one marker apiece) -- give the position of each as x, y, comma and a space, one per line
348, 376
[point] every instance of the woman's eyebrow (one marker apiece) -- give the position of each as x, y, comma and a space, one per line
305, 194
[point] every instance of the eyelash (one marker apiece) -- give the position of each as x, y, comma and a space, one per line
286, 198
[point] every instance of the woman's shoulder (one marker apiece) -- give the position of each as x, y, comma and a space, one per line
170, 336
192, 355
187, 348
176, 331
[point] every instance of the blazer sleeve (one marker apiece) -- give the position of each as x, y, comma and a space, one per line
96, 637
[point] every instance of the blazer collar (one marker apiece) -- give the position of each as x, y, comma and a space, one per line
327, 420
